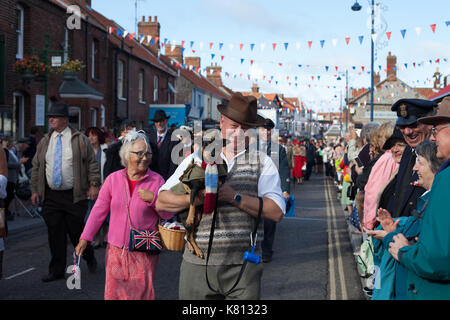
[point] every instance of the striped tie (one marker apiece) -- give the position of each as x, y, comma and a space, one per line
159, 141
57, 163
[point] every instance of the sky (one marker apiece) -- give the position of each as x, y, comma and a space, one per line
310, 39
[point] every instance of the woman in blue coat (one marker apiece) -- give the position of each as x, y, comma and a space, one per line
391, 278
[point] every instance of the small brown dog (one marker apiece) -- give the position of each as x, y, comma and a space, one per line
192, 182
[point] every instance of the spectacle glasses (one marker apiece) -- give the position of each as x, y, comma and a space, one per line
435, 131
141, 154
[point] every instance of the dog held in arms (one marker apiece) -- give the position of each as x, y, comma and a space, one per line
202, 174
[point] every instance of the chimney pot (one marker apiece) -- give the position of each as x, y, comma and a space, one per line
156, 19
143, 18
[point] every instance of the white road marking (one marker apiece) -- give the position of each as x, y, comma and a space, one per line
19, 274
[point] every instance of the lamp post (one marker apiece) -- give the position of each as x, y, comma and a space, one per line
356, 7
346, 100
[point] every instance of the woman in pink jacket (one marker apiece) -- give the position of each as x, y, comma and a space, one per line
129, 275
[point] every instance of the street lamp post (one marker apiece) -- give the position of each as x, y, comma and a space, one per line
356, 7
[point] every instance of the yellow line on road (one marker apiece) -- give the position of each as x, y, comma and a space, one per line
332, 278
336, 242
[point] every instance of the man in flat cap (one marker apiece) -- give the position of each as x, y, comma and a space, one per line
408, 112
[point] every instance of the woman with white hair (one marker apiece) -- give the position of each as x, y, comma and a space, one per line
133, 190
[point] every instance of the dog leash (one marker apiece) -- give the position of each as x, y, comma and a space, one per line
253, 237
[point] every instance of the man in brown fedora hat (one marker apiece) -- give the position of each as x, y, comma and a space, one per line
239, 197
427, 260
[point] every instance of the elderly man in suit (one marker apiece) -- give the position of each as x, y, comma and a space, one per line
406, 194
65, 174
162, 145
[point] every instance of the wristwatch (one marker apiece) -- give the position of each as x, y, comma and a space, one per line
238, 198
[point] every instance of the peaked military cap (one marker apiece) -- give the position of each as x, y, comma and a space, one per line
410, 110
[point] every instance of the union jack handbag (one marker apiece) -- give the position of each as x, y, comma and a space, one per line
143, 240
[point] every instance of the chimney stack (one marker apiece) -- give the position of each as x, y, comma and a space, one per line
376, 78
194, 62
391, 68
150, 28
213, 74
176, 53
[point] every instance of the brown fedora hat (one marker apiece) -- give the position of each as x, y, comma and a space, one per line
243, 110
442, 114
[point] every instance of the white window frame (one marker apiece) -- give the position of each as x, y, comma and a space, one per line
141, 86
20, 31
93, 117
120, 70
74, 109
155, 88
66, 44
93, 52
102, 116
18, 128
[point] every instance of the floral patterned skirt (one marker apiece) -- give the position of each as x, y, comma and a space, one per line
129, 275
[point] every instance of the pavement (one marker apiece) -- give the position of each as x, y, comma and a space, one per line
23, 221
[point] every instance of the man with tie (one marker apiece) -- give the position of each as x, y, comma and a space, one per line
65, 174
162, 145
405, 197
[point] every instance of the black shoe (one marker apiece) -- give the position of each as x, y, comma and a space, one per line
51, 277
92, 265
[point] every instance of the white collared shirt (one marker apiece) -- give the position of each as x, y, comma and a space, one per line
67, 160
269, 185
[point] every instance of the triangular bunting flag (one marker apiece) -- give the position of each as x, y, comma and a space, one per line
374, 37
210, 45
212, 56
388, 35
403, 32
110, 30
309, 44
322, 42
274, 45
418, 30
360, 39
242, 61
192, 43
241, 46
347, 40
286, 45
447, 23
220, 46
262, 46
297, 46
334, 41
433, 27
252, 45
221, 58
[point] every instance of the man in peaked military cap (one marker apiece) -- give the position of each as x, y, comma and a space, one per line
408, 112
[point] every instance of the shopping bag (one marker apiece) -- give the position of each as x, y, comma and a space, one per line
290, 207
